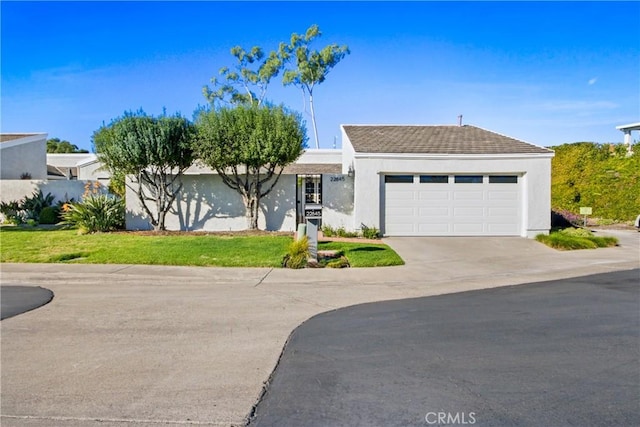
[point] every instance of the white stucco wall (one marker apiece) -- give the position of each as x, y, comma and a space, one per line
322, 155
536, 185
63, 190
207, 204
24, 155
337, 201
93, 170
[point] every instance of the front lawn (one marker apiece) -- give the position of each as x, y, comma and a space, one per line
26, 245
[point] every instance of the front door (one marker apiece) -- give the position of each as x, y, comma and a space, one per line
309, 191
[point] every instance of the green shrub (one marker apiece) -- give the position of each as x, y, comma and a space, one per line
328, 231
342, 232
49, 215
11, 211
298, 254
566, 241
341, 262
34, 204
370, 232
604, 241
576, 232
96, 213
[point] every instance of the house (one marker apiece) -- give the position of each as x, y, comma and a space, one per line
627, 129
447, 181
404, 180
25, 168
23, 156
80, 166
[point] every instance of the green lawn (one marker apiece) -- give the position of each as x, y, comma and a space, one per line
49, 246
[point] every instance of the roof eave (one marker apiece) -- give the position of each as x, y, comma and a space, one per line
441, 156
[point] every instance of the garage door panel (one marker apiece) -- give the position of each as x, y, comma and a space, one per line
468, 195
434, 212
401, 211
502, 195
400, 194
452, 209
461, 228
402, 229
434, 195
468, 211
432, 229
502, 213
503, 229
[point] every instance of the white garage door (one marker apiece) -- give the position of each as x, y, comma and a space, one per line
452, 205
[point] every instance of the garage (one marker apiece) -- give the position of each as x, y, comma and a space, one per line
452, 205
447, 180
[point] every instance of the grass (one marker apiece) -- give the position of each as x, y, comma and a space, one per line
35, 245
571, 239
364, 255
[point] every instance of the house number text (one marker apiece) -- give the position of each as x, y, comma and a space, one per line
337, 178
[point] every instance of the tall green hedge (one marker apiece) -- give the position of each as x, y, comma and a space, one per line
602, 176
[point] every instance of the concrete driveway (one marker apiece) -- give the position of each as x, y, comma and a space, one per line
148, 345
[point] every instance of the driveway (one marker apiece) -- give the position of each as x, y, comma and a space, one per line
155, 345
555, 353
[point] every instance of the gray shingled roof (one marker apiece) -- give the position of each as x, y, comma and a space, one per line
452, 139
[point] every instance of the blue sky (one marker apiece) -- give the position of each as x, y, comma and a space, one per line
545, 72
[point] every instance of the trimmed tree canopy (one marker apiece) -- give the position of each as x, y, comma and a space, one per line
153, 151
249, 146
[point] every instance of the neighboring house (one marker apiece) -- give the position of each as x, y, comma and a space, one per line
25, 168
81, 166
627, 129
403, 180
23, 156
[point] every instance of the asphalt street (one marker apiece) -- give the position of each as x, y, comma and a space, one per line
563, 352
16, 300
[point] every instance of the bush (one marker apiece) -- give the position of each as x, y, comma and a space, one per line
49, 215
11, 212
328, 231
576, 232
34, 204
576, 239
370, 232
298, 254
341, 262
96, 213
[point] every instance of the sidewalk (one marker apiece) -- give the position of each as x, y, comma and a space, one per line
152, 345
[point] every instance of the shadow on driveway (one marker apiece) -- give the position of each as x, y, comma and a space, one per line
562, 352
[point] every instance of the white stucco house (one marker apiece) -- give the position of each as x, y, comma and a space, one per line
23, 156
80, 166
404, 180
26, 167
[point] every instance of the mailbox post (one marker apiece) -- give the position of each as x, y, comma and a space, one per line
313, 214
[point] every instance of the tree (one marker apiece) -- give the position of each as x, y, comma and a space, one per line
55, 145
249, 146
154, 152
310, 67
247, 82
